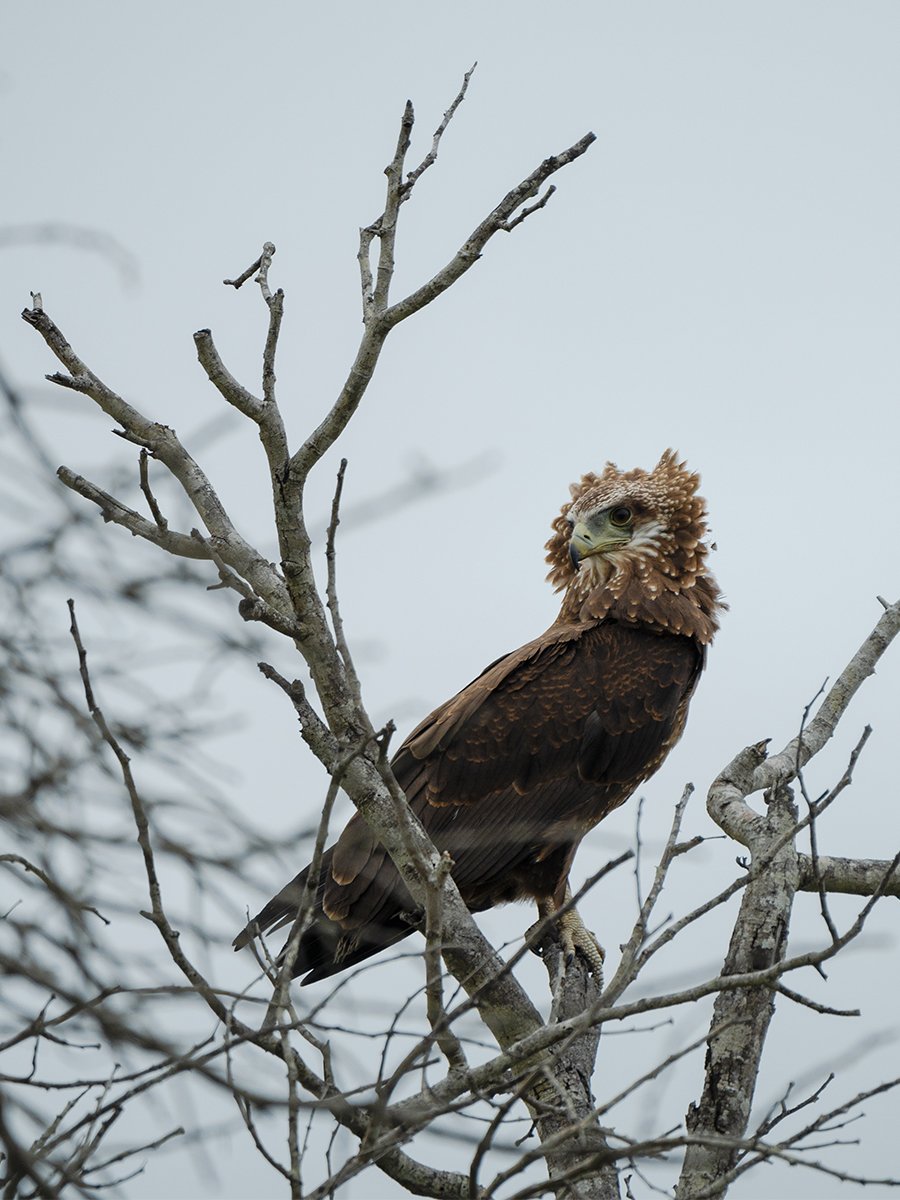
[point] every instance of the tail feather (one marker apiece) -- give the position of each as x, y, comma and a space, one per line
326, 946
280, 911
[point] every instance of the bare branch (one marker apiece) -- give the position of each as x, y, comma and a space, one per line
498, 219
431, 157
337, 623
434, 986
69, 900
509, 226
782, 768
166, 447
245, 275
544, 1064
148, 493
118, 513
850, 876
379, 323
222, 379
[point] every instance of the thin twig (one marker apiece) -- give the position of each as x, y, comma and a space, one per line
434, 986
429, 159
148, 494
244, 275
337, 623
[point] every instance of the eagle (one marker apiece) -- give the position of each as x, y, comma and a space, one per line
509, 775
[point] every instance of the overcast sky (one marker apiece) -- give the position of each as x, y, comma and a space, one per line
719, 274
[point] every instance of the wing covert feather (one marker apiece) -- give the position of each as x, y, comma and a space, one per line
526, 759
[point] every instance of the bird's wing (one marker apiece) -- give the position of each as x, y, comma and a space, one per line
526, 758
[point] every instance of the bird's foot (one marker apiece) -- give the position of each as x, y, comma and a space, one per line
576, 937
572, 937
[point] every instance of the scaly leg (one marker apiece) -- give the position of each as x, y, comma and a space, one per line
575, 935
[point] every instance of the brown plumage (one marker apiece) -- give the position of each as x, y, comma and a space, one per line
511, 773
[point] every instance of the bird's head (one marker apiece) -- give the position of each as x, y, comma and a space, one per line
649, 521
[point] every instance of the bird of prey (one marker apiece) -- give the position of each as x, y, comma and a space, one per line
511, 773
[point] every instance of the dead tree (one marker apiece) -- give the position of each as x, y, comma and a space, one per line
539, 1065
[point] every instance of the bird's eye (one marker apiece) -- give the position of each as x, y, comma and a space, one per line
621, 515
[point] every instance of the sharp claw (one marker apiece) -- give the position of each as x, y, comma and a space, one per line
574, 936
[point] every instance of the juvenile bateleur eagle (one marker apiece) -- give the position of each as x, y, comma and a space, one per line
511, 773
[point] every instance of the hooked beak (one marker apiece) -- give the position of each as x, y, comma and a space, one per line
581, 544
584, 544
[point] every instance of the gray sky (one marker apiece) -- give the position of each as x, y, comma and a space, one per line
718, 274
